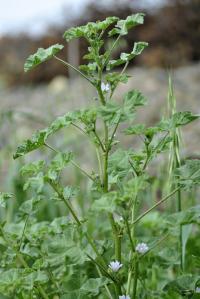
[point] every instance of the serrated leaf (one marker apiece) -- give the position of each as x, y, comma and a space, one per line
134, 98
113, 112
40, 56
124, 57
123, 26
178, 119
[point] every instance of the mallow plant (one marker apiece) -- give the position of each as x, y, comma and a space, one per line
120, 247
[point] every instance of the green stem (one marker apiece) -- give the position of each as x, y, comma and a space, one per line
72, 211
156, 205
110, 51
136, 265
82, 170
74, 163
99, 140
106, 287
131, 233
74, 68
180, 232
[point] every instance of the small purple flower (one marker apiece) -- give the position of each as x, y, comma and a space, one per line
124, 297
115, 266
105, 87
141, 248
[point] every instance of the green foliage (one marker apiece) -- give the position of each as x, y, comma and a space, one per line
40, 56
188, 174
108, 240
126, 57
123, 26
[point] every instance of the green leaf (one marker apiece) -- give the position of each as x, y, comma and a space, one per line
33, 168
114, 78
124, 57
188, 174
113, 112
140, 129
38, 139
4, 197
29, 206
93, 285
189, 216
178, 119
134, 98
89, 30
183, 118
69, 192
36, 183
123, 26
107, 202
186, 231
40, 56
57, 164
75, 294
183, 285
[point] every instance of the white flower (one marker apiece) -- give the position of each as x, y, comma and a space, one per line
197, 290
142, 248
124, 297
115, 266
105, 87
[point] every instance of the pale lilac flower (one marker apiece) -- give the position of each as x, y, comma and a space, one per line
197, 290
105, 87
115, 266
142, 248
124, 297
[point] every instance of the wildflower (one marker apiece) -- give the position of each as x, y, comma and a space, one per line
197, 290
124, 297
115, 266
142, 248
105, 87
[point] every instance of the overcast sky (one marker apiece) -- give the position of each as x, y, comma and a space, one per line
35, 15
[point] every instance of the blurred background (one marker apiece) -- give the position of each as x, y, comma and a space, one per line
30, 101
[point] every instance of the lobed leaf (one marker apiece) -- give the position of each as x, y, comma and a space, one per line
113, 112
38, 139
89, 29
188, 174
123, 26
189, 216
40, 56
125, 57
